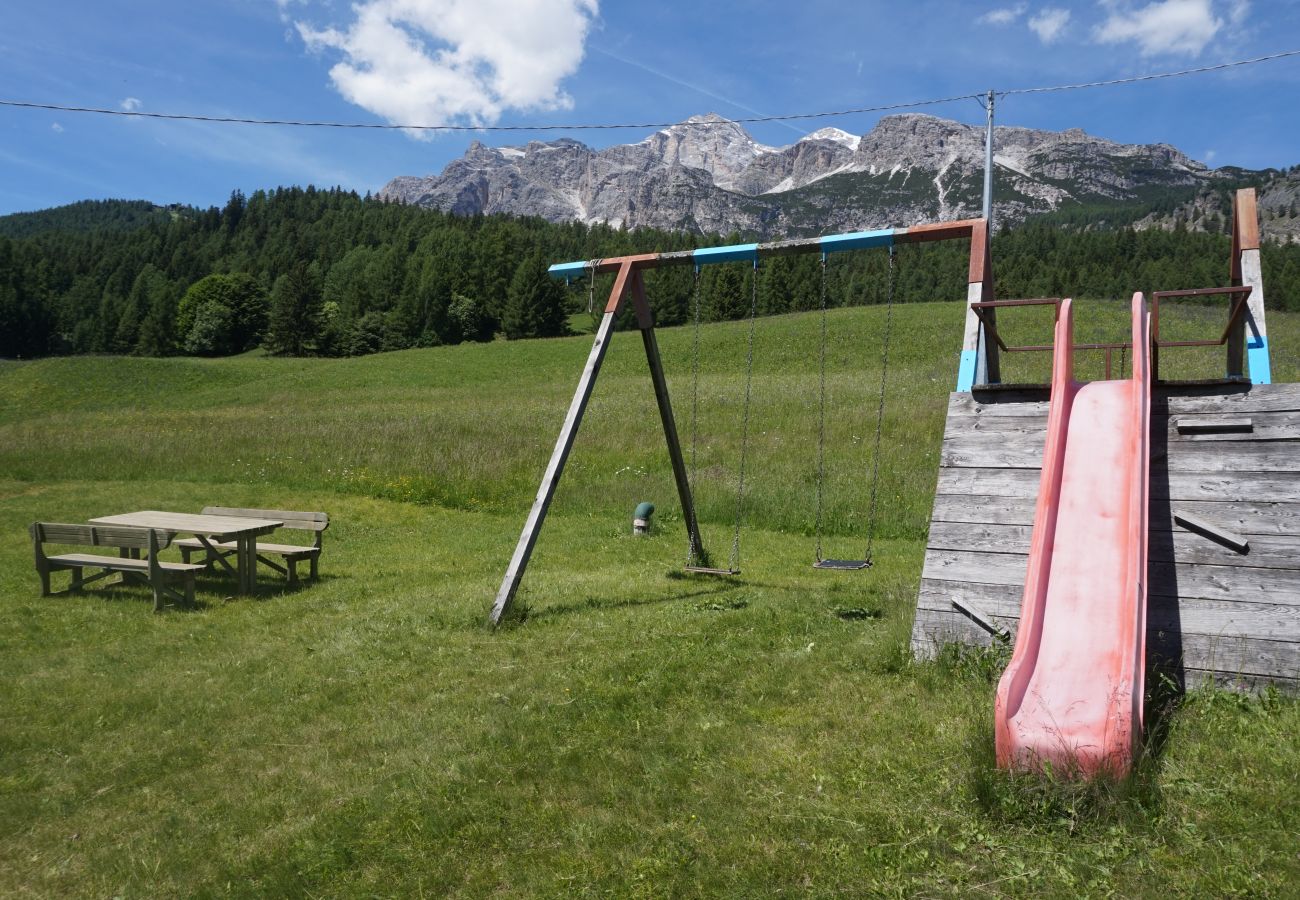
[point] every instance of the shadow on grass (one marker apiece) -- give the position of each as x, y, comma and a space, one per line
211, 591
521, 613
119, 592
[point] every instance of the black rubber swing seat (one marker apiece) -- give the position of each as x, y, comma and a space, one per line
706, 570
842, 564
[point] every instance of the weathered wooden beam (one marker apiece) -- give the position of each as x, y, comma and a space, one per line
1264, 519
1011, 450
1218, 399
1214, 532
1228, 619
645, 322
563, 445
1247, 271
981, 619
940, 231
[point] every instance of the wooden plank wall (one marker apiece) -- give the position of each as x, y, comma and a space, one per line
1214, 613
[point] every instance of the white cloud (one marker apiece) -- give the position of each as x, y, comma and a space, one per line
130, 104
1167, 26
1049, 24
57, 128
284, 7
1004, 16
432, 62
1210, 154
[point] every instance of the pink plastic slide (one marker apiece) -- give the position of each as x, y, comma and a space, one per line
1071, 699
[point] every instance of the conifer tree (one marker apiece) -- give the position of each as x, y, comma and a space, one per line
535, 302
295, 312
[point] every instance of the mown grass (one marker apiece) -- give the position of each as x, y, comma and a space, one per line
639, 734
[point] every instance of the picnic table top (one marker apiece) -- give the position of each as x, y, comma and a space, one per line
220, 527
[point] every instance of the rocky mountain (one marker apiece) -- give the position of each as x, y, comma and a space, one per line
1210, 209
709, 174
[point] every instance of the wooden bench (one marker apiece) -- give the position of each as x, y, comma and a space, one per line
292, 554
129, 542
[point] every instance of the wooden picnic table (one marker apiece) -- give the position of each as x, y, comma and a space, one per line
242, 531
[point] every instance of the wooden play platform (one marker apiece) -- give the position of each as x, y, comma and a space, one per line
1223, 571
1225, 470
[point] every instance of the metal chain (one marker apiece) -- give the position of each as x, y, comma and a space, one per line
692, 550
821, 419
591, 286
880, 410
744, 431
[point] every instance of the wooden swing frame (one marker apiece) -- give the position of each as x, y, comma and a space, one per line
979, 360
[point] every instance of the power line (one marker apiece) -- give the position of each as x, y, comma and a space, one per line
389, 127
381, 126
1158, 75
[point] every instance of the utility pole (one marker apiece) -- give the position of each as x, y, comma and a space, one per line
988, 164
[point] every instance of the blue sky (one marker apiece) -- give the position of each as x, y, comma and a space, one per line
562, 61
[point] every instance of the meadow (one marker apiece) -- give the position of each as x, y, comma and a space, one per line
634, 731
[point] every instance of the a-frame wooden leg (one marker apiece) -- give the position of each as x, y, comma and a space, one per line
645, 321
560, 455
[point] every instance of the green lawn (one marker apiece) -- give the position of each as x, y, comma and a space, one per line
640, 733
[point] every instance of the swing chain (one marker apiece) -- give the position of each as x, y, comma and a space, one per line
821, 418
880, 410
591, 284
693, 551
744, 430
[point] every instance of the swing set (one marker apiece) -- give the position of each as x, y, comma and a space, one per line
977, 362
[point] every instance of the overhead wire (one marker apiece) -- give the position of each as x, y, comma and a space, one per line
750, 120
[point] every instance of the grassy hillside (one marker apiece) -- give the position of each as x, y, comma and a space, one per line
641, 733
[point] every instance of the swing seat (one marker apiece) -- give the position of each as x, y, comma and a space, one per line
842, 564
706, 570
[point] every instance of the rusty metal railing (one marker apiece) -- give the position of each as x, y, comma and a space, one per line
991, 327
1231, 332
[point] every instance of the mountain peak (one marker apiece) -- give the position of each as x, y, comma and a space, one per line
838, 135
711, 118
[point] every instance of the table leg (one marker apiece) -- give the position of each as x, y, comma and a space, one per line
248, 564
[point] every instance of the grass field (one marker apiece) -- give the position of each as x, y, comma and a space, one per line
640, 733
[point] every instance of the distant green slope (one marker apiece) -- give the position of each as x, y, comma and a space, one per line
86, 216
471, 426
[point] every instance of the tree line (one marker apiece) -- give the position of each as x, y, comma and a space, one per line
301, 271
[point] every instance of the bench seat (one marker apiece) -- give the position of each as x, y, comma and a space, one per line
138, 549
300, 551
291, 554
117, 563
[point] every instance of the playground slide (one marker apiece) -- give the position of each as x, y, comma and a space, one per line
1072, 696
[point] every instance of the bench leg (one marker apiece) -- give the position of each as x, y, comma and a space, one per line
293, 571
45, 582
315, 571
157, 598
189, 588
76, 580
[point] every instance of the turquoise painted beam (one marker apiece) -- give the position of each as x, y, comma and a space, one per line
832, 243
733, 253
570, 270
858, 240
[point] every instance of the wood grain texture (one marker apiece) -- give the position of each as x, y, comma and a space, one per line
1229, 654
1024, 450
1192, 615
1023, 483
1248, 518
